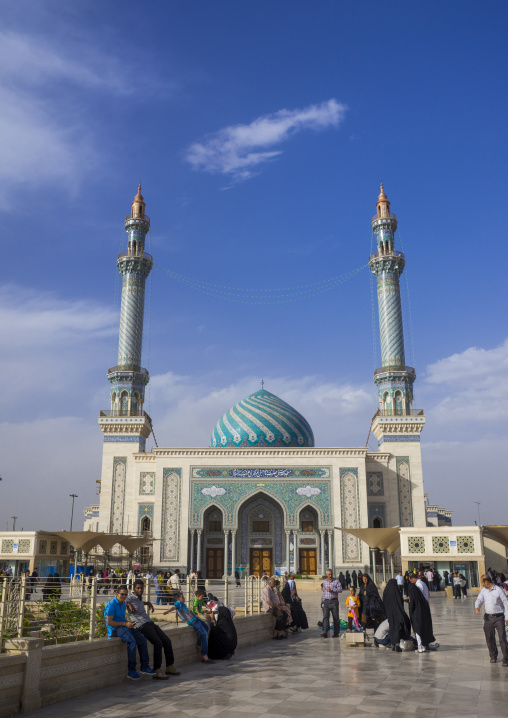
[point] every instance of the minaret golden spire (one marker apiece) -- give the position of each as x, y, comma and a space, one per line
138, 205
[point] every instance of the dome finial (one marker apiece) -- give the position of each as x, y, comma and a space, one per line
262, 383
382, 197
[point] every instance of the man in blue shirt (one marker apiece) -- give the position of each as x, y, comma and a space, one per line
119, 627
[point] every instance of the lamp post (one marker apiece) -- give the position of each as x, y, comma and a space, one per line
478, 504
74, 496
14, 522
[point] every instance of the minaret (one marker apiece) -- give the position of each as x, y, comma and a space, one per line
394, 379
396, 425
128, 379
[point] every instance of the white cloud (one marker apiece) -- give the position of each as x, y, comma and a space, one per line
470, 387
185, 409
50, 346
31, 60
238, 150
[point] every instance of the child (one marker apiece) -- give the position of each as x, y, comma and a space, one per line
199, 608
353, 606
200, 626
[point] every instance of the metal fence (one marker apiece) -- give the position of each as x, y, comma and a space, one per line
62, 611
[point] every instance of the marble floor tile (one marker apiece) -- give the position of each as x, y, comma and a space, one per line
307, 676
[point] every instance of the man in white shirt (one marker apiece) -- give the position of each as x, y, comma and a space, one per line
174, 580
421, 585
430, 577
495, 618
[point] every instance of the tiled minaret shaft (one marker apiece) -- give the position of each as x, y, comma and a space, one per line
128, 379
393, 378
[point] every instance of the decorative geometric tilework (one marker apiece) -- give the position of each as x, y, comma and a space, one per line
124, 439
147, 483
416, 544
43, 546
118, 494
350, 513
440, 544
7, 545
293, 494
24, 546
377, 511
307, 541
375, 485
405, 494
64, 548
258, 473
170, 544
53, 547
465, 544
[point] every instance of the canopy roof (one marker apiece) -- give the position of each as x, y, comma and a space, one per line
383, 539
498, 533
87, 540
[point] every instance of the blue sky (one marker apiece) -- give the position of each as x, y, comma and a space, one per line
260, 132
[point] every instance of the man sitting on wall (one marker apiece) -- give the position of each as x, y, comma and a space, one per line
118, 626
151, 632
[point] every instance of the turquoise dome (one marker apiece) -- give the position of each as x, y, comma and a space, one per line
262, 419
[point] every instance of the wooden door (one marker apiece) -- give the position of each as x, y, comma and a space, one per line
260, 560
308, 561
214, 562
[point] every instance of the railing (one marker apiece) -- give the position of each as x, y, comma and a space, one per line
128, 368
66, 610
394, 367
137, 215
388, 253
396, 412
124, 412
135, 255
384, 216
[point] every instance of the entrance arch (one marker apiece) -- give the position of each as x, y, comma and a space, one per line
260, 519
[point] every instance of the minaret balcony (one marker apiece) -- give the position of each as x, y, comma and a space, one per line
135, 255
139, 413
388, 215
399, 412
394, 368
138, 216
128, 368
387, 254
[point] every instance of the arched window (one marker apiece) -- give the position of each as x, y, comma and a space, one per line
134, 403
146, 526
398, 403
377, 523
124, 401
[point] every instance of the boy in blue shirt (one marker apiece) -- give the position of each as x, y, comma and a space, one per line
118, 626
197, 624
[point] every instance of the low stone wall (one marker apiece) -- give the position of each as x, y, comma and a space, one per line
33, 676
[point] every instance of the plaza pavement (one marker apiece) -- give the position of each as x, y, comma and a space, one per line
310, 676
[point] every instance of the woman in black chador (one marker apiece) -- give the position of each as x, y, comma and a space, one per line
372, 610
354, 578
398, 620
222, 639
419, 611
292, 599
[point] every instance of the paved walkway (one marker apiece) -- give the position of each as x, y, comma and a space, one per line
309, 676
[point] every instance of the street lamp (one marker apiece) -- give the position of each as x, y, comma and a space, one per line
478, 504
74, 496
14, 522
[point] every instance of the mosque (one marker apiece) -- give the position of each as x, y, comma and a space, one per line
262, 496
